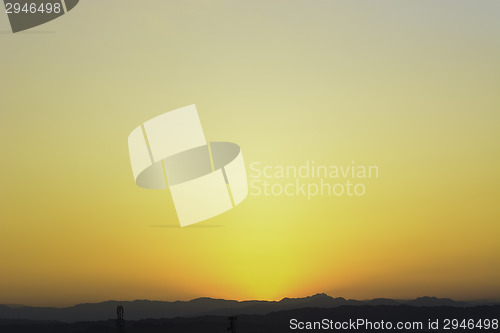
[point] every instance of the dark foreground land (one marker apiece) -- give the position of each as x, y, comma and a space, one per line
476, 319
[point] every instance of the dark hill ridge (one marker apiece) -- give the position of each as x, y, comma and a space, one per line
142, 309
275, 322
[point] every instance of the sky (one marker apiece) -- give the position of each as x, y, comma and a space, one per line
411, 87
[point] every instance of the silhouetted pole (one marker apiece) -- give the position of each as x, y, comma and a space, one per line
232, 324
120, 322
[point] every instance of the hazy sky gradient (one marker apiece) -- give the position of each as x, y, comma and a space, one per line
411, 86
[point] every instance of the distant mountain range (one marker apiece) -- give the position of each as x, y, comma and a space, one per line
143, 309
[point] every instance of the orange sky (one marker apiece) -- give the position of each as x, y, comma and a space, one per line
412, 89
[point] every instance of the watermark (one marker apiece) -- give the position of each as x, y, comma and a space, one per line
26, 14
354, 325
365, 325
310, 179
205, 178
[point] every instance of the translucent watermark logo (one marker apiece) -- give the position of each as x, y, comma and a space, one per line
310, 179
205, 178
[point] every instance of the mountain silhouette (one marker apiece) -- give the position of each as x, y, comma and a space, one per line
143, 309
275, 322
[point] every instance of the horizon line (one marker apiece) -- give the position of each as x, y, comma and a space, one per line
19, 305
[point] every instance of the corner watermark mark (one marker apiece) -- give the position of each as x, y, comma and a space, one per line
27, 14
